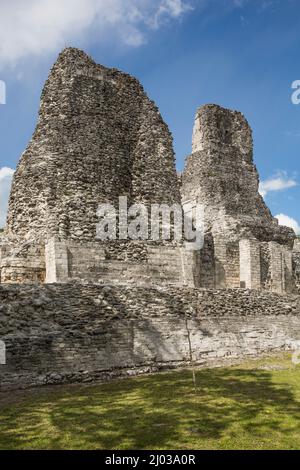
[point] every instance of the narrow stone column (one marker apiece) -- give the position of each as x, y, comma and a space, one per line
250, 274
276, 268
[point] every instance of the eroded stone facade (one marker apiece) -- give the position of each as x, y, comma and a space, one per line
246, 247
100, 137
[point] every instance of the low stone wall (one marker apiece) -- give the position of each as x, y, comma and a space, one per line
22, 263
129, 263
81, 332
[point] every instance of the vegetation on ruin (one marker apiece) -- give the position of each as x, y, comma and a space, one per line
255, 405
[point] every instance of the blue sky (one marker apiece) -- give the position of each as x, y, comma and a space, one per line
242, 54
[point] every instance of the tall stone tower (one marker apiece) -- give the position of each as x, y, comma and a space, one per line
98, 137
221, 175
244, 244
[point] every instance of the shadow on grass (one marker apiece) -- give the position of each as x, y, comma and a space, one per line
158, 411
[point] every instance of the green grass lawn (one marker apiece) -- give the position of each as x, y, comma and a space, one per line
255, 405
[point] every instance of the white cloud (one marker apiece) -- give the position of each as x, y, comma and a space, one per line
239, 3
6, 175
36, 27
288, 222
278, 182
167, 8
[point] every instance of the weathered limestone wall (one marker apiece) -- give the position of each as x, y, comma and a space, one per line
276, 268
97, 262
75, 332
281, 268
250, 259
22, 263
220, 264
208, 265
98, 137
296, 263
227, 263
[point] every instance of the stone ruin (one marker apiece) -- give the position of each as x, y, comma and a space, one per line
76, 309
99, 137
244, 245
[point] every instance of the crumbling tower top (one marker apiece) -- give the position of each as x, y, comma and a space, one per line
216, 127
221, 175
